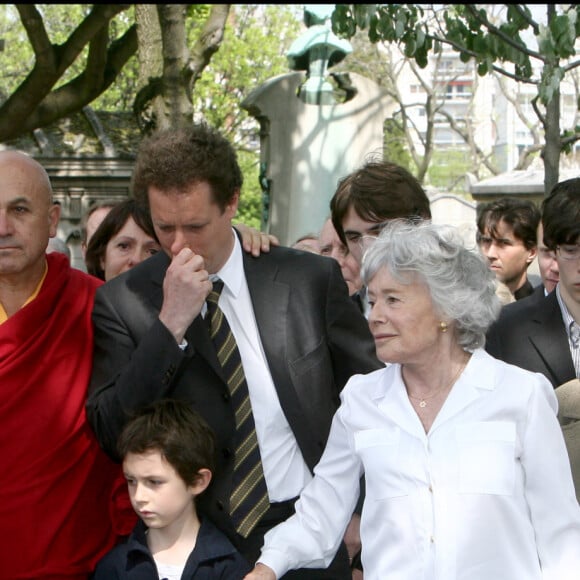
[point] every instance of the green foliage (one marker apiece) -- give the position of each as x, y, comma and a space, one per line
447, 170
250, 207
60, 21
254, 50
469, 31
500, 47
568, 136
395, 145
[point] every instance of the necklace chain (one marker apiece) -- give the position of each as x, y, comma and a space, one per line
423, 400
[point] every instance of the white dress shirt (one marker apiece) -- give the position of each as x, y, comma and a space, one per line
572, 331
285, 470
487, 494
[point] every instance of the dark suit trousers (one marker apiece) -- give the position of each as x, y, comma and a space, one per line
250, 547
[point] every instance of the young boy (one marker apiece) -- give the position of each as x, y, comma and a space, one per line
168, 456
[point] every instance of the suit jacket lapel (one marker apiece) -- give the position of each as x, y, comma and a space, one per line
270, 302
153, 289
548, 336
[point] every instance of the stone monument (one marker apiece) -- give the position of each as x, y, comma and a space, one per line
312, 131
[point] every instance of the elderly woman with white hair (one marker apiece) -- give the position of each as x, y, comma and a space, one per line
467, 475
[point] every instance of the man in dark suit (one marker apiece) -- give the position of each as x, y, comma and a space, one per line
299, 335
543, 335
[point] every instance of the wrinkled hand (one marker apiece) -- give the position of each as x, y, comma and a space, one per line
255, 242
261, 572
185, 289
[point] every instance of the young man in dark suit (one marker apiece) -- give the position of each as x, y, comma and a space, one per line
298, 334
543, 335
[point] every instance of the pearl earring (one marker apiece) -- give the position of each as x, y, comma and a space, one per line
443, 326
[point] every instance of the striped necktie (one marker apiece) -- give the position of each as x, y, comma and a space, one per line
249, 499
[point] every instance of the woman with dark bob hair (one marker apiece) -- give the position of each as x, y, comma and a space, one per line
124, 238
467, 474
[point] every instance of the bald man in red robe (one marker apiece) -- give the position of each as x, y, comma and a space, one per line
55, 496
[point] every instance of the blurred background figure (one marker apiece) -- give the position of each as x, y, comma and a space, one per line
307, 243
124, 238
57, 245
568, 396
91, 221
547, 264
332, 246
543, 335
507, 237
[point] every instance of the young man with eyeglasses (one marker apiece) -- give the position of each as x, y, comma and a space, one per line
544, 336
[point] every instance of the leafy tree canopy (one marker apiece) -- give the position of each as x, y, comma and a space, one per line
467, 28
500, 45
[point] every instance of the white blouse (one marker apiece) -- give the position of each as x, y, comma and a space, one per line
486, 494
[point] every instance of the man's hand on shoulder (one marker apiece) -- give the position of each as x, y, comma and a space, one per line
255, 242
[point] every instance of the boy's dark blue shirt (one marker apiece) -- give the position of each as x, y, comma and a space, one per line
214, 557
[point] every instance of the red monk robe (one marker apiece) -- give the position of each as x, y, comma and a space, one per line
55, 495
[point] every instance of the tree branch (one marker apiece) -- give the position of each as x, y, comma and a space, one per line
34, 26
209, 41
527, 18
507, 39
99, 17
70, 97
494, 67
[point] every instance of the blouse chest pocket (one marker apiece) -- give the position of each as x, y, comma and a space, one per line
379, 450
486, 458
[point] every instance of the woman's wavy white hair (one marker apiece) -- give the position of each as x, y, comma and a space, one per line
460, 283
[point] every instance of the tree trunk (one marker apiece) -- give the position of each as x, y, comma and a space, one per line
176, 96
168, 71
552, 149
150, 54
553, 146
35, 103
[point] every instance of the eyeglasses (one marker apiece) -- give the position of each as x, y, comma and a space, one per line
569, 251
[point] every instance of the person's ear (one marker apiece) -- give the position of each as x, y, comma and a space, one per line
53, 217
532, 253
232, 206
202, 480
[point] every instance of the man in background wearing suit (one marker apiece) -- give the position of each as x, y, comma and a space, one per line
544, 336
299, 336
